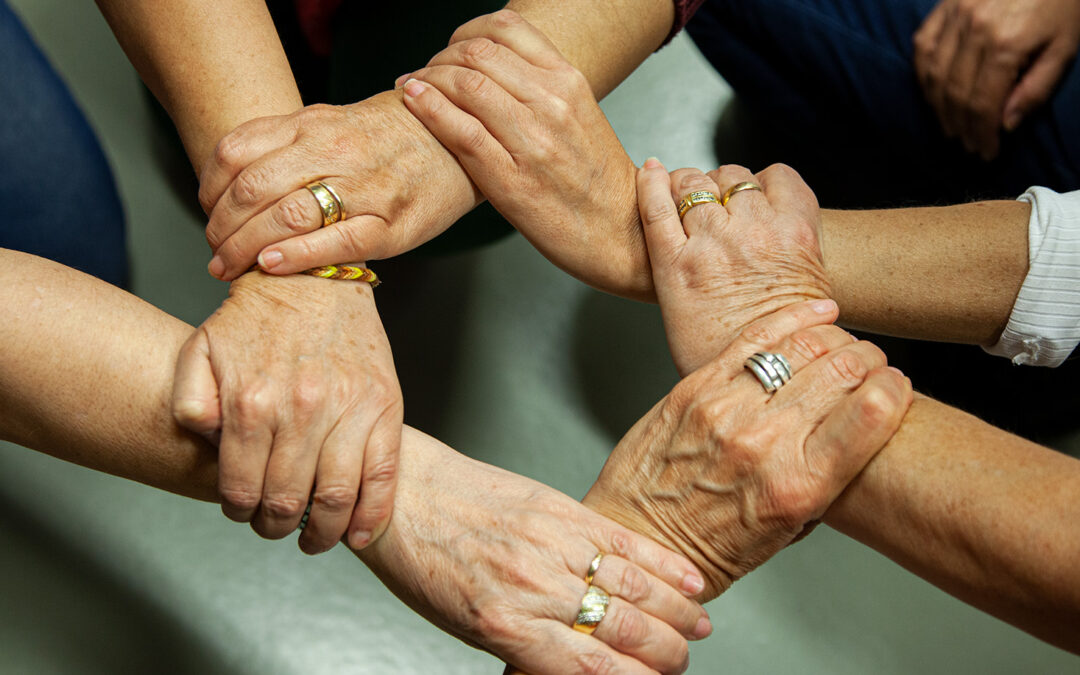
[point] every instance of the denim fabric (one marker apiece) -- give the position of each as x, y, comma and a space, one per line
58, 199
838, 75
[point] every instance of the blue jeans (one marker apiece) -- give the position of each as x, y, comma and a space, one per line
58, 199
838, 77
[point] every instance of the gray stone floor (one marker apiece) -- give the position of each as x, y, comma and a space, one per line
532, 372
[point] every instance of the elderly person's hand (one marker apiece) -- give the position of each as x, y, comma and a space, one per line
986, 64
296, 375
722, 267
398, 186
728, 475
500, 561
526, 126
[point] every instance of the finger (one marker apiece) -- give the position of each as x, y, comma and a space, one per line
576, 653
336, 489
993, 83
823, 383
195, 402
787, 192
357, 239
239, 149
257, 187
471, 92
752, 204
960, 82
628, 630
376, 505
684, 182
926, 42
1037, 84
506, 68
860, 425
664, 234
800, 349
768, 332
295, 214
940, 65
246, 438
290, 477
621, 578
508, 28
664, 564
482, 156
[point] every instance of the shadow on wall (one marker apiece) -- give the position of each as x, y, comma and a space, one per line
74, 616
622, 358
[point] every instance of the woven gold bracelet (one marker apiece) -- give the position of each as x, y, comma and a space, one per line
345, 272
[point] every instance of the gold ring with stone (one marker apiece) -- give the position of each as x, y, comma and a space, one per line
594, 567
333, 209
695, 198
593, 608
737, 188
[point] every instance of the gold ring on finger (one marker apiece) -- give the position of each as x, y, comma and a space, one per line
333, 209
694, 199
737, 188
594, 567
593, 608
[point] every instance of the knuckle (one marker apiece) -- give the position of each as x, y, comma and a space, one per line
634, 586
474, 135
335, 498
308, 394
658, 212
478, 50
469, 82
809, 345
284, 505
229, 151
621, 544
796, 503
292, 215
761, 334
253, 405
594, 663
382, 469
707, 416
240, 496
877, 405
560, 110
506, 18
630, 628
848, 367
248, 187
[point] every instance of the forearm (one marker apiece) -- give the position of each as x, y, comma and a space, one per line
985, 515
213, 65
949, 273
606, 40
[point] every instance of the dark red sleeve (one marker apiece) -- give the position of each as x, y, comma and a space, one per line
684, 9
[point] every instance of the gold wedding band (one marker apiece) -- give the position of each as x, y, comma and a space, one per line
333, 209
737, 188
593, 608
694, 199
594, 567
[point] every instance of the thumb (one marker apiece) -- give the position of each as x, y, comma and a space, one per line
195, 402
1037, 84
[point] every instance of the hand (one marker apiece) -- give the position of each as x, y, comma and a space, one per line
499, 561
527, 129
728, 475
984, 65
297, 375
721, 268
400, 188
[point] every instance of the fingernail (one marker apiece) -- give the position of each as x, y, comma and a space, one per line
401, 80
270, 259
703, 629
824, 306
1012, 120
216, 268
693, 584
414, 88
358, 539
652, 163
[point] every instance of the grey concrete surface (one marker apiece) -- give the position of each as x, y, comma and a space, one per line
514, 363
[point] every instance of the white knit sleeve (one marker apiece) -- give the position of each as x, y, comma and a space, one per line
1044, 327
